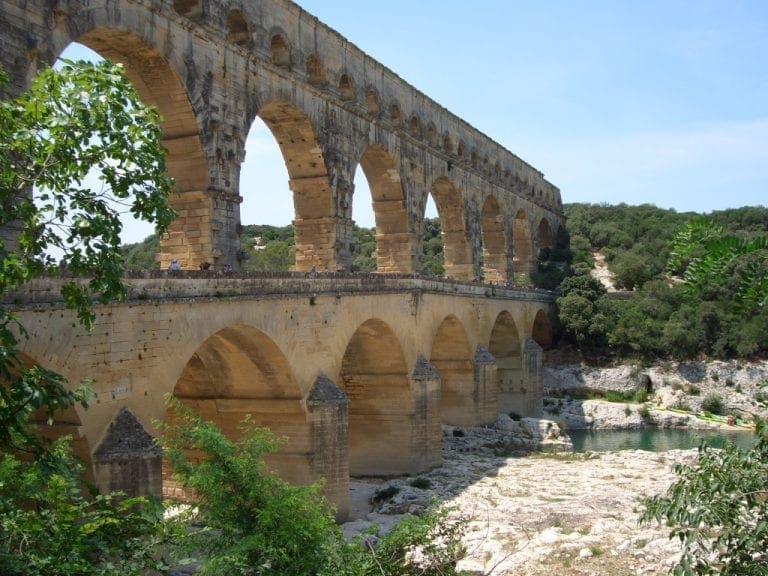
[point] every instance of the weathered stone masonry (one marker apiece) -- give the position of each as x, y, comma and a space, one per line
358, 373
212, 66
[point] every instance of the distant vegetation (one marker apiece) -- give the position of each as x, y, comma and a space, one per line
662, 317
271, 249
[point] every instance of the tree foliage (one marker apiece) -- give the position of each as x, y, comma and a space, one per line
718, 509
250, 522
723, 271
51, 526
70, 123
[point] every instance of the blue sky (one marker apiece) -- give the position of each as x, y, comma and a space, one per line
661, 102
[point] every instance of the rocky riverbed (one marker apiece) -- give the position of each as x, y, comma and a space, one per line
556, 512
537, 513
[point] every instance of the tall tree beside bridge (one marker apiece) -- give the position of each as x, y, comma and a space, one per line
82, 139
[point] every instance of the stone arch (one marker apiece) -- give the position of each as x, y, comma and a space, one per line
473, 159
315, 72
393, 241
346, 88
494, 242
395, 115
65, 422
452, 358
280, 50
506, 346
188, 8
374, 376
414, 126
456, 249
432, 135
372, 102
461, 149
541, 331
239, 371
544, 237
447, 143
238, 31
521, 246
314, 223
189, 239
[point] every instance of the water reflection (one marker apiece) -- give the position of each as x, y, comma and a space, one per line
654, 439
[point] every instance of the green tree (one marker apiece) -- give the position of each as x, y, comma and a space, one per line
718, 509
256, 524
275, 256
83, 123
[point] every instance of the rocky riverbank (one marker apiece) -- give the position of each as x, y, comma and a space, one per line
556, 512
536, 513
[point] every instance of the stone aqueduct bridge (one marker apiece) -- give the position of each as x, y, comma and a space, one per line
212, 66
357, 371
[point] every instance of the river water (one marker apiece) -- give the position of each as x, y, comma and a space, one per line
654, 439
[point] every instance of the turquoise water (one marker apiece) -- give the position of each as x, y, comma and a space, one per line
654, 439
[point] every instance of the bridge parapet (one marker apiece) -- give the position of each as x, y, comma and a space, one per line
185, 285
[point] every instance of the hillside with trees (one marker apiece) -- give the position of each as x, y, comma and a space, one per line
657, 315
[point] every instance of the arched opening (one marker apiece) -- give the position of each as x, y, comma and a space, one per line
394, 114
346, 88
460, 150
505, 346
237, 372
456, 249
381, 408
267, 236
372, 102
314, 222
315, 72
414, 126
393, 241
280, 51
188, 8
544, 238
432, 255
432, 135
452, 357
494, 242
189, 239
238, 31
521, 247
541, 331
447, 143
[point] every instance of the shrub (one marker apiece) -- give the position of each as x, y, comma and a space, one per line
713, 404
644, 413
384, 494
421, 483
717, 509
693, 390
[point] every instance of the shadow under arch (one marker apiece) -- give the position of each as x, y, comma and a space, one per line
521, 247
452, 358
541, 331
394, 242
544, 236
515, 394
315, 222
388, 422
239, 371
456, 248
495, 266
65, 422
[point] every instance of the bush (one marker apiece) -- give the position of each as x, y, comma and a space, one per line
718, 510
713, 404
421, 483
644, 413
